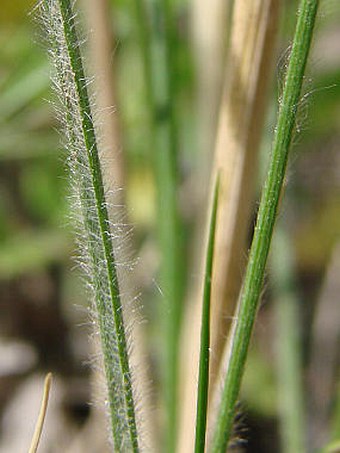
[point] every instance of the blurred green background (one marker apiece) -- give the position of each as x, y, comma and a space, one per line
43, 319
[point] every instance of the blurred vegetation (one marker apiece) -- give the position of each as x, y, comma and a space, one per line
38, 290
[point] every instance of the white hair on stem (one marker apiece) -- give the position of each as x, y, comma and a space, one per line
99, 238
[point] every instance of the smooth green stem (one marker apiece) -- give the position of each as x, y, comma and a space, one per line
97, 228
203, 376
154, 31
289, 368
265, 223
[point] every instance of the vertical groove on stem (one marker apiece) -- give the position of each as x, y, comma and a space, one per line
101, 42
96, 238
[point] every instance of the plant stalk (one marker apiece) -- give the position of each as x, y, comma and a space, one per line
203, 377
253, 282
156, 36
95, 241
242, 115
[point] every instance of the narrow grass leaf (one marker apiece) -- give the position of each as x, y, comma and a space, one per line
203, 377
265, 224
158, 48
95, 238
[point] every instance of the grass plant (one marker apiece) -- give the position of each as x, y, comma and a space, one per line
203, 377
96, 239
242, 116
247, 78
253, 281
156, 38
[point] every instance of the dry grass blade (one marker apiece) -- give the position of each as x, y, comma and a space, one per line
42, 414
268, 209
254, 29
209, 29
101, 42
251, 51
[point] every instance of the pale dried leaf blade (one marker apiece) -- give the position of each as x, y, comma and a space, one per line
42, 414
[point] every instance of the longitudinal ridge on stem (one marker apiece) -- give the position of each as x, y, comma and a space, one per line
95, 237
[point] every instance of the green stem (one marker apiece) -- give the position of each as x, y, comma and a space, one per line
265, 223
157, 53
203, 377
98, 238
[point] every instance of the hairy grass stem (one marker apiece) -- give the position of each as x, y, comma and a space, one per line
96, 242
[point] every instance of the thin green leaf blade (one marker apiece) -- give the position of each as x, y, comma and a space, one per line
203, 377
95, 237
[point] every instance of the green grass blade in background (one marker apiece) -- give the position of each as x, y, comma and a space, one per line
95, 241
23, 91
156, 41
265, 223
203, 378
289, 347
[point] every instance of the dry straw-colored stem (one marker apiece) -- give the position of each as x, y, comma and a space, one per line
42, 414
249, 67
101, 41
268, 209
250, 63
209, 29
